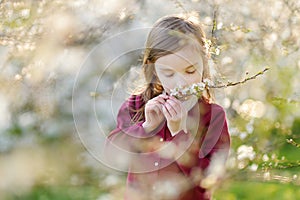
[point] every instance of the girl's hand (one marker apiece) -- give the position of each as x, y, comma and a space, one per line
176, 115
153, 113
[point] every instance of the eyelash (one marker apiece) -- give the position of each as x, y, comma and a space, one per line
192, 72
169, 75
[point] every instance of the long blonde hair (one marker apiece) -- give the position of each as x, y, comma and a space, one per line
166, 37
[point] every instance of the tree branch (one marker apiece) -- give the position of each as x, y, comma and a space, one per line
242, 81
292, 142
198, 88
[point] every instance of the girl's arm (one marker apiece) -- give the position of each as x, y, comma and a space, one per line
145, 128
128, 137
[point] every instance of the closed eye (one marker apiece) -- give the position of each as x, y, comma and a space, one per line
169, 75
191, 71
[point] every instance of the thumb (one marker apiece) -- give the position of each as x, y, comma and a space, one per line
184, 124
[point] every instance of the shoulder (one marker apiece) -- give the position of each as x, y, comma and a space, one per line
131, 106
132, 103
217, 109
215, 135
211, 111
135, 101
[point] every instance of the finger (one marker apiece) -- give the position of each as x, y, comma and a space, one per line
181, 104
157, 109
152, 107
175, 105
185, 126
166, 113
157, 100
162, 98
175, 100
171, 110
152, 104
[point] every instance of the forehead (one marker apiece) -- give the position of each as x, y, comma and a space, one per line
186, 56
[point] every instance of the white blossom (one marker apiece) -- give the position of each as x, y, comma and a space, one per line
194, 89
265, 158
245, 152
185, 91
208, 82
253, 167
201, 86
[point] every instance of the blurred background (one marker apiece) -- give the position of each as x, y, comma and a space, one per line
65, 67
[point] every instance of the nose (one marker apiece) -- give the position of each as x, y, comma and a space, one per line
181, 81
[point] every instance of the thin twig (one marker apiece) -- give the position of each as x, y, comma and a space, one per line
197, 89
284, 100
180, 5
263, 176
214, 27
292, 142
288, 165
242, 81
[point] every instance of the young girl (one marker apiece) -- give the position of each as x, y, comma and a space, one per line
168, 144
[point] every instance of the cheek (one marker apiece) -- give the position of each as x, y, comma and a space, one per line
198, 76
195, 78
167, 83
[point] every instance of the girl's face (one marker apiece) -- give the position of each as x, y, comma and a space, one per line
183, 68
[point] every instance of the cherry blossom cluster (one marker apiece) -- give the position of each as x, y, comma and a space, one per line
194, 89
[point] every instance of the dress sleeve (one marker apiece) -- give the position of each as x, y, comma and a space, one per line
125, 122
216, 141
128, 138
126, 130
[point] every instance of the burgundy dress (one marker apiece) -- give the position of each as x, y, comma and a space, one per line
162, 166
